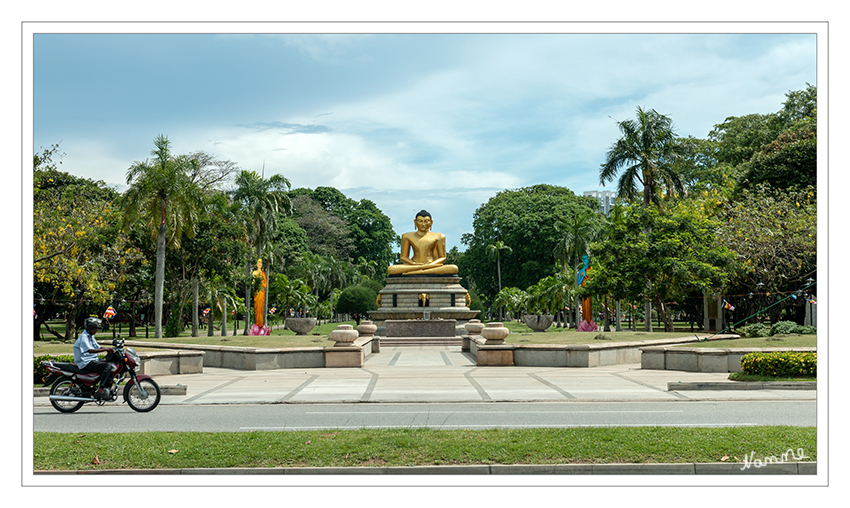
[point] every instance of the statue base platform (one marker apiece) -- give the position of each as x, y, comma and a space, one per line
423, 297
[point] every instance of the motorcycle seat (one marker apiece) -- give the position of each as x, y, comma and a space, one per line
68, 367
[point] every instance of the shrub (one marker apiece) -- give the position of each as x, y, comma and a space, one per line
780, 364
785, 327
40, 373
754, 330
356, 300
602, 336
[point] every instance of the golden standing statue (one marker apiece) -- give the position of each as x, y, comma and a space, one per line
260, 295
429, 251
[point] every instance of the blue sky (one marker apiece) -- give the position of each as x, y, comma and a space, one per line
436, 121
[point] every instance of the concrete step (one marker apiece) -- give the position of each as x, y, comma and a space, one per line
421, 341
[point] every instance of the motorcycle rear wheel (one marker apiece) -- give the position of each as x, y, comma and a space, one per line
63, 386
134, 398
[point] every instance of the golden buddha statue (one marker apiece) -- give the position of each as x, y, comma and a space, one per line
429, 251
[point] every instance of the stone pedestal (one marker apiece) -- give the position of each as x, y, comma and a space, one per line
406, 297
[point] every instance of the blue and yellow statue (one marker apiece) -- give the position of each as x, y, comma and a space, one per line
587, 324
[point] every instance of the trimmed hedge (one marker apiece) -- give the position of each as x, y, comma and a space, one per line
40, 373
781, 364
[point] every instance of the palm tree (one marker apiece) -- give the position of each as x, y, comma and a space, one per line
219, 295
495, 249
576, 236
285, 290
260, 200
163, 196
647, 150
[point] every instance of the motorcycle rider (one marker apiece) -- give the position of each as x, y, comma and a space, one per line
86, 349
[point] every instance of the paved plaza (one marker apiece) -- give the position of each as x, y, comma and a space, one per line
446, 374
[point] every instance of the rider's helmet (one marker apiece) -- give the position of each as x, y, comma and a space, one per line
92, 324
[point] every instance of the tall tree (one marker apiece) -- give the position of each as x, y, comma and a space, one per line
646, 153
163, 196
676, 252
494, 250
261, 201
577, 232
524, 219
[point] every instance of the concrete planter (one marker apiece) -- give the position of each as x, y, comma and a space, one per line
538, 322
344, 335
495, 333
301, 326
474, 327
367, 328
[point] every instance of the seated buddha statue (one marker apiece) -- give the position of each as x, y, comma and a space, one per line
429, 251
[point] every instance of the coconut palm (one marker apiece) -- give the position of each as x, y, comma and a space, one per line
285, 290
162, 195
646, 151
551, 294
577, 233
512, 298
494, 250
260, 200
219, 295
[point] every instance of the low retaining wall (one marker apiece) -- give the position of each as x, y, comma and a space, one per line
244, 358
699, 359
163, 363
569, 355
420, 327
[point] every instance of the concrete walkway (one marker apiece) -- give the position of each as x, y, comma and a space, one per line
445, 374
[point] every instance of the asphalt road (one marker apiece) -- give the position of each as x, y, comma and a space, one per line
279, 417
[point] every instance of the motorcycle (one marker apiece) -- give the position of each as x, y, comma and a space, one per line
70, 388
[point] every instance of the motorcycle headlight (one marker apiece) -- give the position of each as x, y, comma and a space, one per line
134, 356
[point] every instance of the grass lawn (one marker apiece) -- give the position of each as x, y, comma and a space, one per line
789, 340
740, 376
520, 334
416, 446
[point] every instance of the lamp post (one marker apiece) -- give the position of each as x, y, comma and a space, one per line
809, 304
760, 298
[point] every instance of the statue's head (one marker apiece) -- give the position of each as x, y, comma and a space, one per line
259, 263
423, 221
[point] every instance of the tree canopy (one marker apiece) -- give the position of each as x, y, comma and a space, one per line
523, 219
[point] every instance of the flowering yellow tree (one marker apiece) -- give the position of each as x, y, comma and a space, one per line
78, 249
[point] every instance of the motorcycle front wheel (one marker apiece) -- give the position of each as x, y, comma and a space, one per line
134, 397
64, 386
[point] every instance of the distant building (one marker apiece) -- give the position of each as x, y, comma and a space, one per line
606, 199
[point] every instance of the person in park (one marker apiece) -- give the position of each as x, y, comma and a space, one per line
86, 349
429, 251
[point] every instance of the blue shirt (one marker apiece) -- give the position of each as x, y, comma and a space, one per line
81, 349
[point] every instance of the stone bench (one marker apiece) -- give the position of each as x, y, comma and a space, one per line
162, 363
699, 359
568, 355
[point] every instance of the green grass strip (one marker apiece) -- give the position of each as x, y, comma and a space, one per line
417, 446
